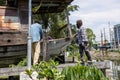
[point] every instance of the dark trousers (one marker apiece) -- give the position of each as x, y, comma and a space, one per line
83, 48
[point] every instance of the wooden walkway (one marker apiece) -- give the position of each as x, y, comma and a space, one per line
17, 71
11, 71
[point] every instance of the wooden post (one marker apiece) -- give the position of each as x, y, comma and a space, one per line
45, 45
69, 28
45, 23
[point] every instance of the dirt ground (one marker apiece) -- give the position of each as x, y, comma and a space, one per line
109, 56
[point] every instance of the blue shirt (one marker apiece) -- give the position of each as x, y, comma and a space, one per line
36, 32
82, 35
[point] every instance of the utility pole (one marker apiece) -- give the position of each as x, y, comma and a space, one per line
114, 39
101, 38
29, 37
118, 37
110, 35
104, 37
102, 42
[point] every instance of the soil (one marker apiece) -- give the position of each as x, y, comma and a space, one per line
98, 55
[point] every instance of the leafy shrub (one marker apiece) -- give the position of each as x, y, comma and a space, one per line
77, 72
80, 72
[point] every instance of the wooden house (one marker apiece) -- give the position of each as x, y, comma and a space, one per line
14, 26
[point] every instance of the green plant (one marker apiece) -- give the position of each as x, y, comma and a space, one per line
20, 64
46, 69
51, 72
73, 50
80, 72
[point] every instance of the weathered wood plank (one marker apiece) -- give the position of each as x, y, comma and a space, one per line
17, 71
13, 38
100, 65
11, 71
10, 11
55, 47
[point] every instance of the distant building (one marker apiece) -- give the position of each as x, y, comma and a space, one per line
117, 33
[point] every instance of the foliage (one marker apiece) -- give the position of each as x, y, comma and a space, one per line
55, 21
73, 8
60, 19
51, 72
29, 72
46, 69
73, 50
20, 64
80, 72
91, 36
77, 72
36, 8
2, 2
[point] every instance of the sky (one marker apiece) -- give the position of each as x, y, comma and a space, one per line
97, 14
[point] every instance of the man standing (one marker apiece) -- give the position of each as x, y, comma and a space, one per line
82, 41
36, 34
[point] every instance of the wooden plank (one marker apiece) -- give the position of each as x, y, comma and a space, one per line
11, 52
5, 62
56, 46
11, 71
51, 6
52, 1
48, 1
8, 11
100, 65
13, 38
17, 71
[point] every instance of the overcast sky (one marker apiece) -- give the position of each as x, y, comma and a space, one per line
96, 14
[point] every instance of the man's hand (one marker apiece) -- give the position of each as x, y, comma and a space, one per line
83, 44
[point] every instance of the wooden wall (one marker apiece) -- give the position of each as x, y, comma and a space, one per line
14, 24
9, 18
23, 13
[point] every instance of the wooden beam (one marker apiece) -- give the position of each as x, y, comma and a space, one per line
17, 71
11, 71
52, 1
100, 65
51, 6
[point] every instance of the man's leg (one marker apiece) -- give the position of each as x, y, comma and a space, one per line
36, 53
81, 52
88, 55
87, 51
33, 50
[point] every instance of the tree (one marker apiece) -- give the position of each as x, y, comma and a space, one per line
91, 36
55, 21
